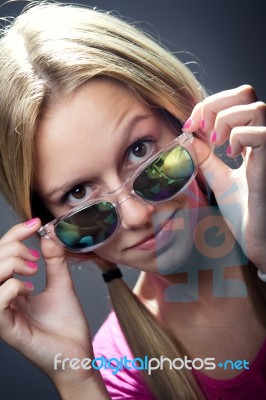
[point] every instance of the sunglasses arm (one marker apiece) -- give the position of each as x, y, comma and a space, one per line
43, 232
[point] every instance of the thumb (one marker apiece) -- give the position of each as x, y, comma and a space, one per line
57, 271
228, 185
219, 176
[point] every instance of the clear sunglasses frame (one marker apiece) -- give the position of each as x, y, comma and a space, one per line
185, 140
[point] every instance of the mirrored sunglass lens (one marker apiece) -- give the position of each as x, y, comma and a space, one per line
88, 227
166, 176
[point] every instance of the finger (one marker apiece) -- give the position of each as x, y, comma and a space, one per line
57, 271
204, 113
21, 231
10, 290
248, 115
16, 265
249, 136
18, 249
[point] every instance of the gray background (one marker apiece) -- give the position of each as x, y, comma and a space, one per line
225, 40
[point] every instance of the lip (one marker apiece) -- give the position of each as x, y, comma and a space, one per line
158, 239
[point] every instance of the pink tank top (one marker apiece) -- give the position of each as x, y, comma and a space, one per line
109, 343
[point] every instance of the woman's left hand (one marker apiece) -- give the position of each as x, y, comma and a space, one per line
237, 116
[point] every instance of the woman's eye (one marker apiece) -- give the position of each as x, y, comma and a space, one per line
140, 151
79, 194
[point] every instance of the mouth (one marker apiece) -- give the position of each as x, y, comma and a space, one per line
161, 236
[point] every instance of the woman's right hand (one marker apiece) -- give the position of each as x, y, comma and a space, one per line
52, 322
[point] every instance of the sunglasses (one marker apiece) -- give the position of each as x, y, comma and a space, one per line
160, 178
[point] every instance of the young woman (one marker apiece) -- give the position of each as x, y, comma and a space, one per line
106, 150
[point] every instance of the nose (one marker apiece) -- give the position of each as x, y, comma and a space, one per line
134, 213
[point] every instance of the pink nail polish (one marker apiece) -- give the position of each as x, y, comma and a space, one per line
213, 137
34, 253
229, 150
28, 285
187, 124
31, 222
202, 124
31, 264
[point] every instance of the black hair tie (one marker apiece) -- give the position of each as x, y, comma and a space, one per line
113, 274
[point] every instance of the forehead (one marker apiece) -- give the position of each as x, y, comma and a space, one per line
83, 128
91, 104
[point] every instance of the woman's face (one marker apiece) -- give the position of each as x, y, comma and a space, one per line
86, 145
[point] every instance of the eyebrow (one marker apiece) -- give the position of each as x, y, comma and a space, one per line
69, 185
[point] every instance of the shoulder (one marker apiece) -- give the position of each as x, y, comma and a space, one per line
114, 359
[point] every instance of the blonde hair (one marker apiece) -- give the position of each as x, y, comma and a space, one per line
51, 50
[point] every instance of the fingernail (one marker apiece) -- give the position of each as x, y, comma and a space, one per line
213, 137
31, 222
31, 264
202, 124
229, 150
187, 124
34, 253
28, 285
